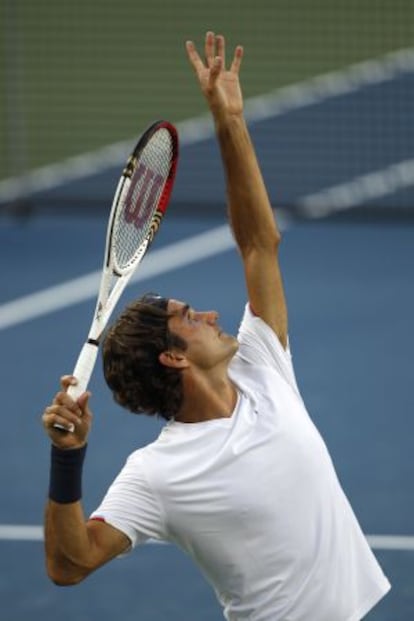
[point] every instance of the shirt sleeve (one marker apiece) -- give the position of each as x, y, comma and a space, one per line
131, 506
260, 346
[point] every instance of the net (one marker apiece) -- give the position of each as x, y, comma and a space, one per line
329, 89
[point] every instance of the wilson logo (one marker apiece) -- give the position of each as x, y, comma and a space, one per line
142, 196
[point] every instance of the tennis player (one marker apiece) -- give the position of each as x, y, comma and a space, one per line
239, 477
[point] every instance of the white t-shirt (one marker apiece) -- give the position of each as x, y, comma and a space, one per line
254, 499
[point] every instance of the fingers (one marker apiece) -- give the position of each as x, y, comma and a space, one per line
194, 57
68, 414
238, 55
66, 381
221, 49
214, 49
214, 63
209, 48
215, 70
63, 412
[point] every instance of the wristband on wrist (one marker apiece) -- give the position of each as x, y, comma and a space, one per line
65, 483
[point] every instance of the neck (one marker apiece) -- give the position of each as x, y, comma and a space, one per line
206, 398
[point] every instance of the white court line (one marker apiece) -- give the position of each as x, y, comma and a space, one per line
15, 532
359, 190
172, 257
210, 243
275, 103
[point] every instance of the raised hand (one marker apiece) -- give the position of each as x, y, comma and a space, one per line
220, 86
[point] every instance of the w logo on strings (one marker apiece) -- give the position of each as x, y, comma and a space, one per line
142, 196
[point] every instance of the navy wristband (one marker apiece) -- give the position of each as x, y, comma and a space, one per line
65, 483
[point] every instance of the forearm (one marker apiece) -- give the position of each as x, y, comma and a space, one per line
67, 543
250, 212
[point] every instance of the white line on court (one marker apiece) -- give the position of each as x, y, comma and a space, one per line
204, 245
280, 101
328, 85
359, 190
80, 289
15, 532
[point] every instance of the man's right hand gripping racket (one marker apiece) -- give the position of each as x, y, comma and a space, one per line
140, 202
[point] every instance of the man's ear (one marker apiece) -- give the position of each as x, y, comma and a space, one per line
173, 359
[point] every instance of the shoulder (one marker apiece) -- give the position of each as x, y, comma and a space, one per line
259, 347
258, 343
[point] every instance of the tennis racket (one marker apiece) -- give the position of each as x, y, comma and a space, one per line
139, 204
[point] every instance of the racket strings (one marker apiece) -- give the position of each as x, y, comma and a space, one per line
137, 218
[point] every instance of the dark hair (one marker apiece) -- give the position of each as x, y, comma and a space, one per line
132, 370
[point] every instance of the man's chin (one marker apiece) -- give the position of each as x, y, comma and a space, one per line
229, 337
233, 341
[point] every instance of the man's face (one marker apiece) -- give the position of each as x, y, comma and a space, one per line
207, 346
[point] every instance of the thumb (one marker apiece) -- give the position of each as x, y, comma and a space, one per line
83, 402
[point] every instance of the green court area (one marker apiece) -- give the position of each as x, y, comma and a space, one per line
81, 74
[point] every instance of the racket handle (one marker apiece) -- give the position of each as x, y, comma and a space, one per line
82, 372
83, 369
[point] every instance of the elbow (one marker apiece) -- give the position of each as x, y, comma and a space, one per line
266, 244
270, 241
277, 238
64, 581
262, 244
64, 576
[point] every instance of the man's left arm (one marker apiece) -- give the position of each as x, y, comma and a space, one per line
251, 216
253, 225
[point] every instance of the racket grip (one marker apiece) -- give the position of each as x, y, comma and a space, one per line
83, 369
82, 372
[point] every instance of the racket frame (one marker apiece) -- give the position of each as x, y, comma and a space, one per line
108, 297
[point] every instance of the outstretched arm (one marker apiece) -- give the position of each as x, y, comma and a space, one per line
251, 216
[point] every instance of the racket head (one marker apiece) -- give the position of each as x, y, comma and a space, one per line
142, 196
